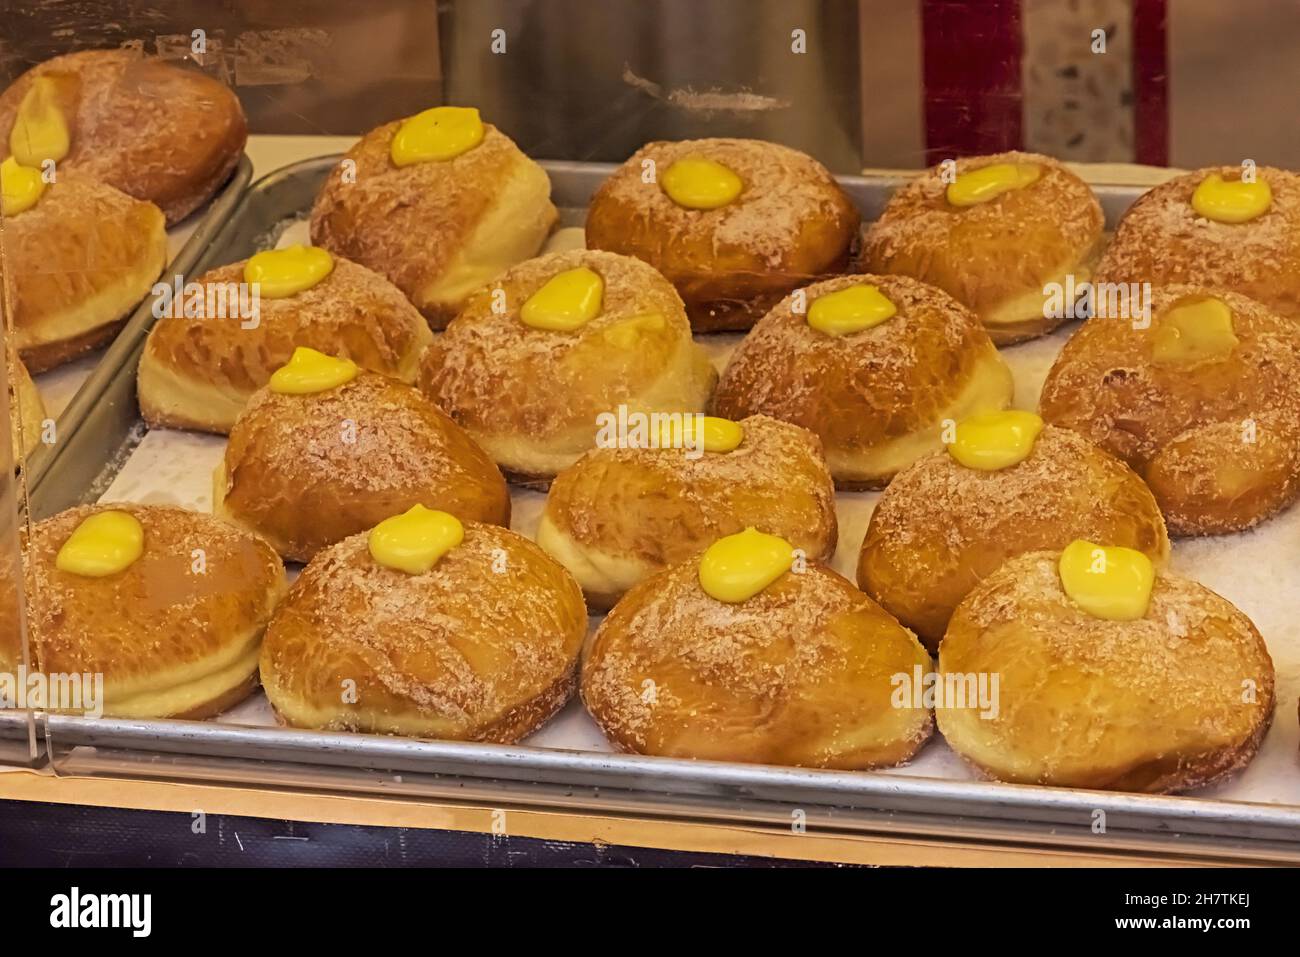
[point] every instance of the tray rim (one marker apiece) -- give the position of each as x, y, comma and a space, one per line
716, 782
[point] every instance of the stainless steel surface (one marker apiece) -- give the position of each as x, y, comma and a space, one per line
96, 423
210, 751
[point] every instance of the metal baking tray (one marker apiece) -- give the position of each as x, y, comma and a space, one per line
898, 806
86, 435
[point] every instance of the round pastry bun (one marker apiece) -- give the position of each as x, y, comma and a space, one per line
438, 230
26, 412
533, 398
619, 515
878, 397
177, 633
1162, 239
803, 673
791, 225
1218, 441
940, 528
483, 647
993, 257
199, 372
306, 471
155, 131
78, 262
1171, 701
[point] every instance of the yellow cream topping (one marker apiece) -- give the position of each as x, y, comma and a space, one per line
709, 432
989, 182
1107, 581
850, 310
414, 541
103, 544
441, 133
568, 301
281, 273
699, 183
309, 371
1231, 201
40, 131
995, 440
738, 567
20, 186
1192, 331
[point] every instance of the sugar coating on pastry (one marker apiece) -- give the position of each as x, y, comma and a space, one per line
791, 225
306, 471
158, 132
940, 527
1174, 700
483, 646
995, 257
1217, 440
1162, 239
532, 397
877, 397
198, 372
78, 263
803, 673
175, 634
438, 230
620, 514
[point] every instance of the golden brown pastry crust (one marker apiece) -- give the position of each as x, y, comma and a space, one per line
531, 397
1172, 701
1161, 239
482, 647
1218, 442
155, 131
76, 264
198, 373
800, 674
619, 515
940, 527
994, 257
791, 225
169, 641
876, 398
306, 471
437, 230
26, 412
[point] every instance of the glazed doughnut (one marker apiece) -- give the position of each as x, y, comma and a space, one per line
877, 393
439, 227
1202, 403
532, 394
1173, 699
483, 646
198, 371
941, 527
157, 132
308, 469
619, 515
79, 256
175, 630
994, 238
732, 240
26, 412
1249, 242
800, 673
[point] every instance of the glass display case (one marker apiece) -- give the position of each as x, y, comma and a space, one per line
666, 409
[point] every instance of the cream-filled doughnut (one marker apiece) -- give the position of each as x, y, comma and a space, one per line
993, 232
327, 450
439, 202
538, 361
874, 365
